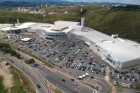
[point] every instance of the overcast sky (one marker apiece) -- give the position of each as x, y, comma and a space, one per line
118, 1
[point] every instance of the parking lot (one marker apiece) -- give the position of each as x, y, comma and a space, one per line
74, 57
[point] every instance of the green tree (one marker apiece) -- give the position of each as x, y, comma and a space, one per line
30, 61
13, 53
18, 56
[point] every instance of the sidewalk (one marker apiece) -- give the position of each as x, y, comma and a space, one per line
107, 78
55, 70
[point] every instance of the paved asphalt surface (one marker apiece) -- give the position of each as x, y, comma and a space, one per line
37, 75
105, 87
28, 72
128, 91
42, 74
55, 78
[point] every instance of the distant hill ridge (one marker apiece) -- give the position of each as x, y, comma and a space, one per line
15, 4
63, 2
31, 0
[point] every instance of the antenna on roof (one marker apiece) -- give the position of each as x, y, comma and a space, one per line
18, 23
82, 23
114, 36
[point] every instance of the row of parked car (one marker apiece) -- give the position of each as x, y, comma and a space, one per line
75, 55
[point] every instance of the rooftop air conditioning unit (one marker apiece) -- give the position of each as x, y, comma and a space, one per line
114, 36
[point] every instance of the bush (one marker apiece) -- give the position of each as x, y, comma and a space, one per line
18, 56
6, 49
13, 53
30, 61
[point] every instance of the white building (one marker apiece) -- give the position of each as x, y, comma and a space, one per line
117, 52
58, 29
67, 23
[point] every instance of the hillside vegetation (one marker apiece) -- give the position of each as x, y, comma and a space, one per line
11, 17
126, 23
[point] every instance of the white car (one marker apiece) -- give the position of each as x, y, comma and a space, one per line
87, 74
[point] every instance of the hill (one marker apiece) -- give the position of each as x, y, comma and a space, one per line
16, 4
122, 22
110, 21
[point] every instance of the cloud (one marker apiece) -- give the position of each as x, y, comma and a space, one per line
117, 1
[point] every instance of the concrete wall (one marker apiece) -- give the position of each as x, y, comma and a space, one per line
131, 63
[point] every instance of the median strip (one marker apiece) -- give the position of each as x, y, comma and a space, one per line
26, 52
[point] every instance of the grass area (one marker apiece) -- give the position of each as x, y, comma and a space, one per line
17, 88
11, 17
1, 59
96, 87
123, 22
74, 9
32, 55
67, 17
21, 82
118, 88
2, 89
13, 46
57, 91
136, 88
18, 85
53, 87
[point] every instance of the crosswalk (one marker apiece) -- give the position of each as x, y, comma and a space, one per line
41, 77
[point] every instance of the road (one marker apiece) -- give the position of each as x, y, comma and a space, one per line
128, 91
105, 87
39, 74
56, 78
52, 58
15, 62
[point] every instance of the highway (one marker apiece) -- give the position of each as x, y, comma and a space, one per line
56, 78
31, 75
40, 74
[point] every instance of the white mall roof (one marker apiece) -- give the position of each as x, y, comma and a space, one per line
6, 28
26, 25
68, 29
122, 50
5, 25
66, 23
58, 27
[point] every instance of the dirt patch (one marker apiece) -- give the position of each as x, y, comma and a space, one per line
53, 87
7, 76
94, 86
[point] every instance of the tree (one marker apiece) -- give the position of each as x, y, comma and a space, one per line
18, 56
30, 61
6, 49
13, 53
82, 12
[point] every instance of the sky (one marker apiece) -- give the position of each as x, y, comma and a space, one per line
116, 1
